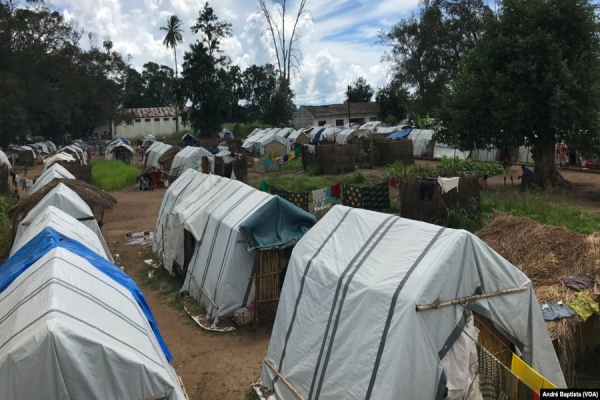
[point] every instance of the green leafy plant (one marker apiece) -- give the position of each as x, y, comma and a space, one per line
292, 165
314, 170
391, 120
359, 178
113, 175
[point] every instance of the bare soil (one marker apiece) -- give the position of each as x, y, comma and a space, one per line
223, 365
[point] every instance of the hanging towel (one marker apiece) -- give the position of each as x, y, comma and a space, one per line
528, 375
584, 305
393, 182
268, 161
311, 149
320, 199
555, 311
330, 198
336, 190
448, 184
298, 151
264, 186
578, 282
233, 178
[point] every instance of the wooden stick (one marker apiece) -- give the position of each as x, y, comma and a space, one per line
204, 291
287, 383
183, 388
470, 298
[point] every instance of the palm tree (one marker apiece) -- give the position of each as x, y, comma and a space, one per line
172, 39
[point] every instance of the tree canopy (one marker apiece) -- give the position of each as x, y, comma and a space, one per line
359, 91
532, 78
392, 100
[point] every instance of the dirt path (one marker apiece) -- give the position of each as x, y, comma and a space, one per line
212, 366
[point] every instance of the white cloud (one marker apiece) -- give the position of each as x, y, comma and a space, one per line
337, 47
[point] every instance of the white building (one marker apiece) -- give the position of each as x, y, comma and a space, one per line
154, 121
335, 114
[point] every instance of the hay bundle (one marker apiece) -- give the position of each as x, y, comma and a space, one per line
98, 200
547, 254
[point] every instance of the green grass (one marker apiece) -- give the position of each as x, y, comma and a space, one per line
307, 183
168, 286
113, 175
251, 394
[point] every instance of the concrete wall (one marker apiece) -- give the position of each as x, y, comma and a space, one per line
148, 126
334, 119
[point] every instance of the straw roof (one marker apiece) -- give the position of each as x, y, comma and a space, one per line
169, 154
547, 254
98, 200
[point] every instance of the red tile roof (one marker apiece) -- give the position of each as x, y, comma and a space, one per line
154, 112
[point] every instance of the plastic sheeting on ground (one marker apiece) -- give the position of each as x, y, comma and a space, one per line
56, 171
190, 157
347, 325
65, 199
76, 326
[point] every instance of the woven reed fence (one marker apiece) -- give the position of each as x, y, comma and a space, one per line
80, 172
239, 167
333, 159
392, 151
4, 177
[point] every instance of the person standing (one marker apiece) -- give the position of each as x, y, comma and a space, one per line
25, 169
561, 149
506, 162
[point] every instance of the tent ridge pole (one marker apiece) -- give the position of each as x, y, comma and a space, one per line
462, 300
204, 291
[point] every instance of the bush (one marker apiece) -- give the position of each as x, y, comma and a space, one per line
448, 165
113, 175
391, 120
6, 202
292, 165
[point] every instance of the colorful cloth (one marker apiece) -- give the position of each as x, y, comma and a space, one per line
292, 155
298, 151
336, 190
393, 182
578, 282
528, 375
376, 198
555, 311
268, 161
330, 198
448, 184
297, 198
584, 306
320, 199
264, 185
352, 196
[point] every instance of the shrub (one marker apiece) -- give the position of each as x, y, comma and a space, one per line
113, 175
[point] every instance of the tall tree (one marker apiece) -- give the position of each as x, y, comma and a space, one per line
392, 100
533, 78
285, 44
359, 92
260, 83
173, 37
425, 51
159, 85
207, 83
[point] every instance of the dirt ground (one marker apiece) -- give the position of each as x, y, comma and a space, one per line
223, 365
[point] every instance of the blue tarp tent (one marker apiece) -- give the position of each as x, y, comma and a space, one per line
318, 135
33, 146
400, 135
49, 239
122, 139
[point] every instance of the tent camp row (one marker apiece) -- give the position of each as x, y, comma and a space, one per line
191, 157
153, 154
268, 142
210, 230
119, 150
55, 171
73, 324
370, 309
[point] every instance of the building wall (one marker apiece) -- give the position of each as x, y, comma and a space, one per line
302, 119
335, 120
148, 126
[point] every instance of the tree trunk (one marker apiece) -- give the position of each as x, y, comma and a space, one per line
545, 168
176, 104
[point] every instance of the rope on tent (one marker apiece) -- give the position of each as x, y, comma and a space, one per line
287, 383
467, 299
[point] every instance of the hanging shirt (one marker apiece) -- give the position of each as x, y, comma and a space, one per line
448, 184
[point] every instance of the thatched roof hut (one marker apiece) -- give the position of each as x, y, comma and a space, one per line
98, 200
547, 254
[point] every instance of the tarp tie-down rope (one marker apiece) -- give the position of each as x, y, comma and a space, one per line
49, 239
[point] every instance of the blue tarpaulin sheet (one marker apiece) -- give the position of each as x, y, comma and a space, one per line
318, 135
400, 135
49, 239
33, 146
277, 224
122, 139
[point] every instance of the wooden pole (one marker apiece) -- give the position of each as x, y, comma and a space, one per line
470, 298
287, 383
183, 388
204, 291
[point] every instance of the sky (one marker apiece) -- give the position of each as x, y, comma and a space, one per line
338, 44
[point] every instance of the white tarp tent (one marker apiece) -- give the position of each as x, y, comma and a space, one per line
371, 125
4, 159
285, 132
50, 161
256, 144
345, 135
74, 326
77, 152
329, 134
347, 324
27, 148
189, 157
387, 130
185, 183
443, 150
43, 147
68, 201
51, 146
56, 171
109, 153
153, 154
490, 155
420, 139
63, 223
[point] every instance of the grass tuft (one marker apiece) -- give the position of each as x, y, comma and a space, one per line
113, 175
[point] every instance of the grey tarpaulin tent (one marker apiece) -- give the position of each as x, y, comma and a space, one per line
347, 324
420, 139
154, 152
189, 156
56, 171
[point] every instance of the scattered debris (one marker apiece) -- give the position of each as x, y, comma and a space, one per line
139, 238
151, 263
150, 274
204, 322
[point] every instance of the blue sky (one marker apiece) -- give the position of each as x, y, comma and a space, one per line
338, 45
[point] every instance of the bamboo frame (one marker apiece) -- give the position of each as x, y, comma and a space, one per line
467, 299
287, 383
183, 388
204, 291
267, 279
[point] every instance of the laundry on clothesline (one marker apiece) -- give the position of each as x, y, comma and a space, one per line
447, 184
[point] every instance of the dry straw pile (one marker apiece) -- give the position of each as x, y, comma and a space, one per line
547, 254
